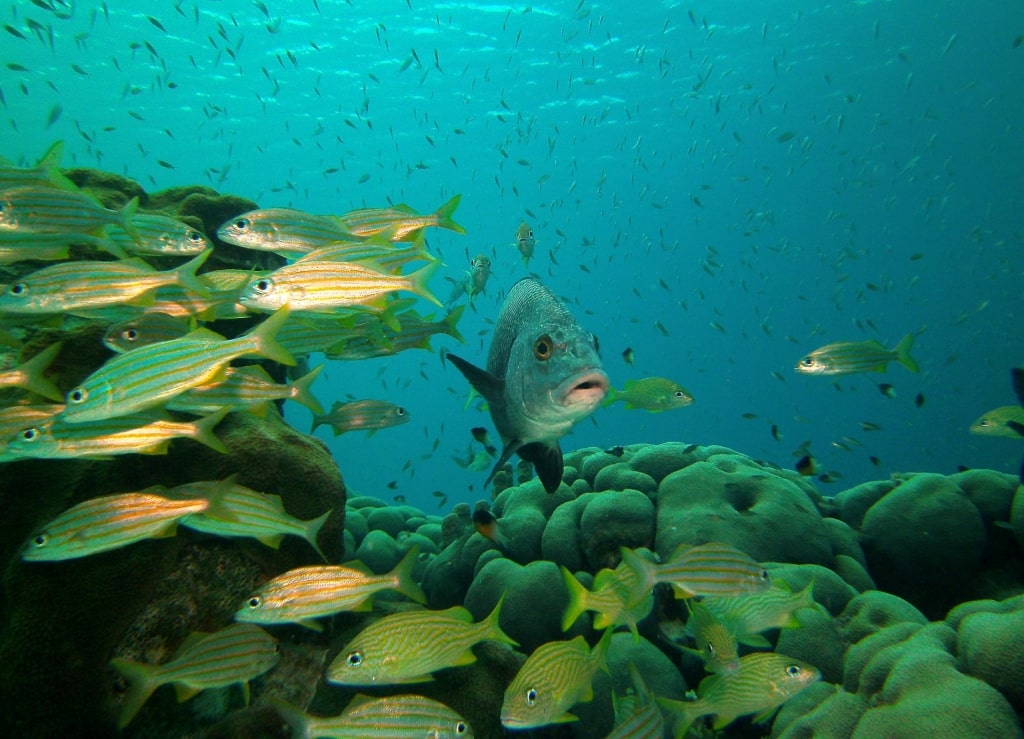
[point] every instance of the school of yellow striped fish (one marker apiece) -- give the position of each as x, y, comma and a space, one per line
169, 377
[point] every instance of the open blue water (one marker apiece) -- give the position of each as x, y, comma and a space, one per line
722, 186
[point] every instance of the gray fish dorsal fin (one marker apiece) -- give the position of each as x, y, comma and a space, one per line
547, 461
489, 386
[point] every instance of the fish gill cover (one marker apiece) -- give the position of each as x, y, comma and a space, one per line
715, 192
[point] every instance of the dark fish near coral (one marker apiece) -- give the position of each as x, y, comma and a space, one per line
887, 390
629, 356
487, 525
543, 375
806, 466
480, 435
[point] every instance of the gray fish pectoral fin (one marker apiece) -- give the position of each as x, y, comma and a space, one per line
489, 386
547, 460
513, 446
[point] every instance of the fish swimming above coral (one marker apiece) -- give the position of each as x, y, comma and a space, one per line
543, 376
848, 357
653, 394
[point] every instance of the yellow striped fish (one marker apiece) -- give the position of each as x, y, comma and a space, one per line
149, 376
376, 252
774, 608
16, 247
707, 570
244, 512
55, 438
715, 638
110, 522
29, 375
303, 594
247, 388
160, 236
233, 655
553, 679
361, 415
637, 716
70, 287
149, 328
284, 231
415, 333
610, 598
401, 222
847, 357
407, 647
764, 681
394, 717
323, 287
17, 418
46, 173
35, 209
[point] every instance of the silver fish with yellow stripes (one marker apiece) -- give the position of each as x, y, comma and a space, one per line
16, 247
160, 235
361, 415
71, 287
244, 512
376, 252
708, 570
30, 375
774, 608
394, 717
249, 389
763, 681
46, 172
407, 647
284, 231
148, 328
401, 222
110, 522
554, 678
609, 598
17, 418
234, 655
35, 209
55, 438
323, 287
150, 376
715, 638
637, 716
307, 593
415, 333
847, 357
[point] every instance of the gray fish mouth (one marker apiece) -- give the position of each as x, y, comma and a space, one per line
586, 389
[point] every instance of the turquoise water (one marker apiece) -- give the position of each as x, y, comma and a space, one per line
721, 186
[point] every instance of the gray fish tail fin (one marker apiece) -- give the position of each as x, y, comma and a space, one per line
444, 215
903, 353
141, 684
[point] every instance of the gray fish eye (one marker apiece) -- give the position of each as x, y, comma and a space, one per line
254, 601
793, 670
18, 288
78, 395
354, 660
531, 696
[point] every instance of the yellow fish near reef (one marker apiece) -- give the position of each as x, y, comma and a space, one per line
716, 643
654, 394
554, 678
235, 654
848, 357
774, 608
305, 593
763, 681
994, 422
401, 222
160, 236
284, 231
407, 647
110, 522
247, 388
150, 376
35, 209
706, 570
394, 717
149, 328
29, 375
611, 599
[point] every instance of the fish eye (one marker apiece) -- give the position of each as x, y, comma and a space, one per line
130, 334
679, 393
194, 236
400, 411
711, 649
78, 395
461, 727
41, 540
263, 286
354, 660
254, 601
18, 289
242, 224
531, 696
30, 434
793, 670
542, 348
807, 362
763, 575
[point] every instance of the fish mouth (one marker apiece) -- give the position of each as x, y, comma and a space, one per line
584, 389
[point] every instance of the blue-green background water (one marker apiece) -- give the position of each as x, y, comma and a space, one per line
722, 186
